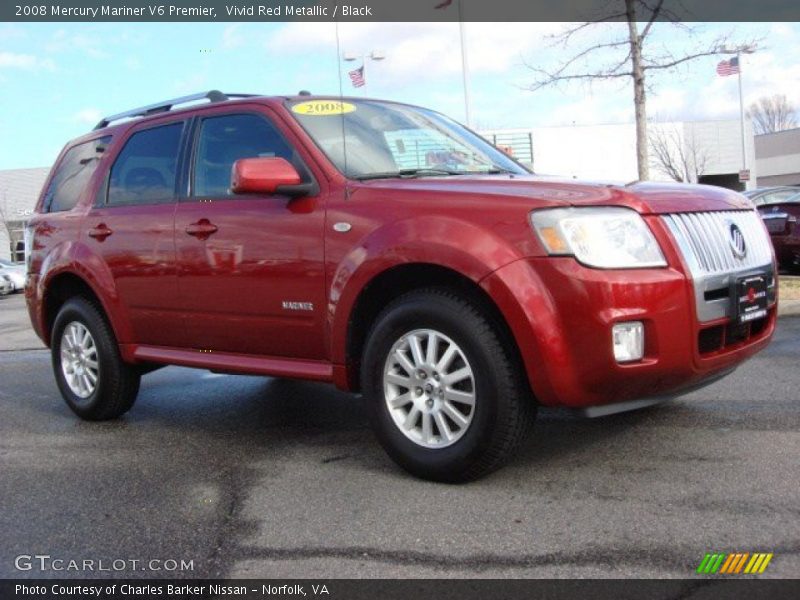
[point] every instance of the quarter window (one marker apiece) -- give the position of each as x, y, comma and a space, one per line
74, 174
146, 168
226, 139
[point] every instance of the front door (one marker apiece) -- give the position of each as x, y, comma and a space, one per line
131, 228
250, 267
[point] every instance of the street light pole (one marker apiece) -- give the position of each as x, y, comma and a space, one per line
464, 73
464, 66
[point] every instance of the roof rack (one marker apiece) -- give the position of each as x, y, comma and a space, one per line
167, 105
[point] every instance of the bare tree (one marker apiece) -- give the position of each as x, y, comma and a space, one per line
679, 157
772, 113
632, 55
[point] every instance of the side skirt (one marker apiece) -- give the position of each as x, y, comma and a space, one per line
228, 362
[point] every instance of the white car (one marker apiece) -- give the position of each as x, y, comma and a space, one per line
15, 272
6, 287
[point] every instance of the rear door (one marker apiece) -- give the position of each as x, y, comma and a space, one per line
251, 275
131, 227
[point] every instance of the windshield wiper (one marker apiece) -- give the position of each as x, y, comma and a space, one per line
496, 170
411, 173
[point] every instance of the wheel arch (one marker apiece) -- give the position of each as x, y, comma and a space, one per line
61, 288
400, 279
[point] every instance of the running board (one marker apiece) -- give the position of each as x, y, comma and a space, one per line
229, 362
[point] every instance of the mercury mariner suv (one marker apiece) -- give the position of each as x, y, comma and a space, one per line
390, 251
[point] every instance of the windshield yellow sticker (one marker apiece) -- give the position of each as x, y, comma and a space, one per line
323, 108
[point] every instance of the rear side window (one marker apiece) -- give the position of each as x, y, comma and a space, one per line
146, 168
73, 175
224, 140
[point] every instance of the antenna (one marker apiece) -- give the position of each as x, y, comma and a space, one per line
341, 100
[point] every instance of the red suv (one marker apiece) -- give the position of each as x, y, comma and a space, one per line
386, 249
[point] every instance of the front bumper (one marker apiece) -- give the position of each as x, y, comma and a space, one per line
561, 314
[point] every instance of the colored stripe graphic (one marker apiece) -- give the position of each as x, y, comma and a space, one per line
704, 563
727, 564
764, 564
733, 563
741, 562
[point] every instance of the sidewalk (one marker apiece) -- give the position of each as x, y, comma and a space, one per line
789, 296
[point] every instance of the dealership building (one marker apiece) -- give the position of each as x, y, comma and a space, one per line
711, 151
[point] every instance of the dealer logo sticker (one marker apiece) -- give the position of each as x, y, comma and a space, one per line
734, 563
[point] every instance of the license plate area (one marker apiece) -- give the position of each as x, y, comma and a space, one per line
750, 298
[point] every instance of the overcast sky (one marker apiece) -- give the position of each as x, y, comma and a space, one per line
58, 80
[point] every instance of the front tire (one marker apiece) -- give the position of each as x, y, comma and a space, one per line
447, 398
94, 381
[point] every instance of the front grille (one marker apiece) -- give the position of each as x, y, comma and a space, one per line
723, 337
707, 245
704, 239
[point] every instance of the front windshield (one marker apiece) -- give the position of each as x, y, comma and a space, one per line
367, 139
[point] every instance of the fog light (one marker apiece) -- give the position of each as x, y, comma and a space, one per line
628, 340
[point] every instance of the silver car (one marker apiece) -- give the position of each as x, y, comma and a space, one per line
15, 273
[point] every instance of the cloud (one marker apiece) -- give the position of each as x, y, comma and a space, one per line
11, 32
418, 51
29, 62
192, 83
87, 115
232, 37
89, 45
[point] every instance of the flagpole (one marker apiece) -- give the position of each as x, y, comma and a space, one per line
364, 72
741, 113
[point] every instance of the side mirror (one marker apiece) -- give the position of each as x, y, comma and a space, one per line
267, 176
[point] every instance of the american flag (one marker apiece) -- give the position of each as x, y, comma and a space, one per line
357, 77
728, 67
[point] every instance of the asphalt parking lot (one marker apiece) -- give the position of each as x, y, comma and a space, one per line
257, 477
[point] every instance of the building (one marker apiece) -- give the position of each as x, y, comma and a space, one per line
778, 158
699, 151
19, 191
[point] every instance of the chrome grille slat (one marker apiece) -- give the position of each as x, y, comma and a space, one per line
703, 236
703, 239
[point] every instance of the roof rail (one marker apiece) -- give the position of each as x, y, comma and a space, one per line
167, 105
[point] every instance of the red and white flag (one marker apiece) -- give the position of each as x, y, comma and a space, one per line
357, 77
728, 67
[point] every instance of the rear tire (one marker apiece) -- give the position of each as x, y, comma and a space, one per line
448, 400
91, 375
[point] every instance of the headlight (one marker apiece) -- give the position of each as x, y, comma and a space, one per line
603, 237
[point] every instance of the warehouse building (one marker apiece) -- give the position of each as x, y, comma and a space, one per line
19, 191
699, 151
778, 158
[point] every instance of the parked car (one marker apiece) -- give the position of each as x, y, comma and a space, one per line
771, 195
780, 213
15, 272
6, 285
386, 249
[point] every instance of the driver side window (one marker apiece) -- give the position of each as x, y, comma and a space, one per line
226, 139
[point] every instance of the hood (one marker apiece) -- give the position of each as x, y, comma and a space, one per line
544, 192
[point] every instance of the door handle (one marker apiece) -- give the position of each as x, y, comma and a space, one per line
100, 232
202, 229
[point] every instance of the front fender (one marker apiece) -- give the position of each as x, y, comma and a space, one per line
433, 240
